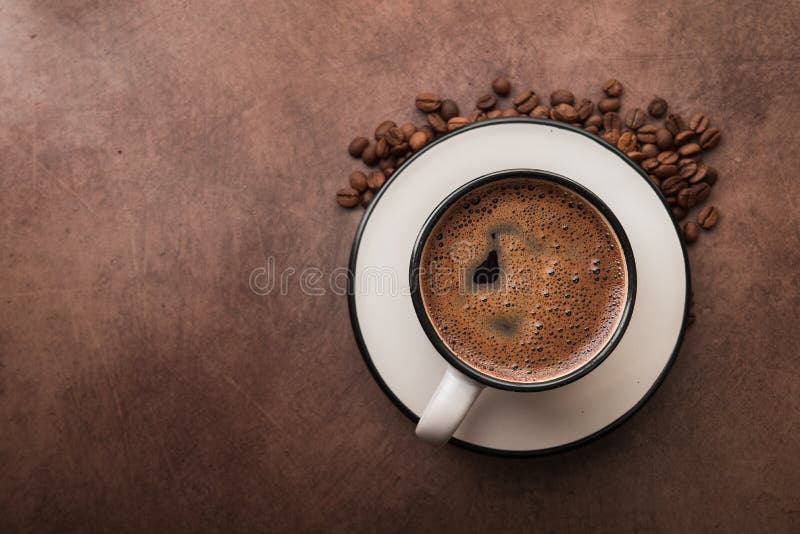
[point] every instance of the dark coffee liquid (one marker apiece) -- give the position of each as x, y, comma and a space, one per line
523, 279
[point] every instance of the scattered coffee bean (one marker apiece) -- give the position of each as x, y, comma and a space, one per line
347, 197
647, 133
366, 197
418, 140
476, 116
698, 123
382, 128
486, 102
608, 104
687, 198
565, 113
667, 157
456, 122
408, 130
510, 112
388, 172
592, 129
656, 180
525, 102
584, 107
634, 119
369, 156
387, 163
448, 109
437, 122
358, 181
501, 86
679, 213
690, 232
428, 131
635, 155
689, 149
541, 111
649, 150
665, 170
394, 136
428, 102
495, 113
627, 141
612, 121
700, 170
650, 164
702, 190
657, 107
707, 218
612, 88
683, 137
376, 179
674, 123
612, 136
595, 120
399, 150
664, 138
382, 148
709, 138
357, 146
673, 184
687, 169
561, 96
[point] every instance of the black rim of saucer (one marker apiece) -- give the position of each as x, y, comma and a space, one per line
587, 195
489, 450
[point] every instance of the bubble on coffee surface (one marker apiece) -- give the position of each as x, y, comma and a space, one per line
542, 289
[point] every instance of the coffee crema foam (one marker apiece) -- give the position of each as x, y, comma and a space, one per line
523, 279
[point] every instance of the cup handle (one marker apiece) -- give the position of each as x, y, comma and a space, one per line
450, 403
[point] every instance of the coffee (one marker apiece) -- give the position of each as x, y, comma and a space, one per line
523, 279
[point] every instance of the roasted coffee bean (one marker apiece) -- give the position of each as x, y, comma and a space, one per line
384, 127
612, 121
382, 148
687, 198
671, 200
541, 111
388, 172
565, 113
347, 197
709, 138
690, 232
711, 175
698, 123
647, 134
592, 129
476, 116
561, 96
612, 136
612, 88
708, 217
673, 184
636, 155
683, 137
437, 122
418, 140
665, 171
456, 122
408, 130
584, 107
493, 114
699, 173
376, 179
674, 123
689, 149
595, 120
399, 150
702, 190
428, 131
366, 198
486, 102
394, 136
663, 138
657, 107
387, 163
448, 109
400, 161
369, 156
667, 157
357, 146
634, 119
650, 164
428, 102
649, 150
655, 179
679, 213
525, 102
501, 86
688, 170
510, 112
358, 181
627, 141
608, 104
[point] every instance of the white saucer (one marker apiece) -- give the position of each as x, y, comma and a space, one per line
405, 363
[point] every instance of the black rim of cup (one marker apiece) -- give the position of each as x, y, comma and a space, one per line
430, 330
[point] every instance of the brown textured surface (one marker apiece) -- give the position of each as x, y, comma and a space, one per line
153, 153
